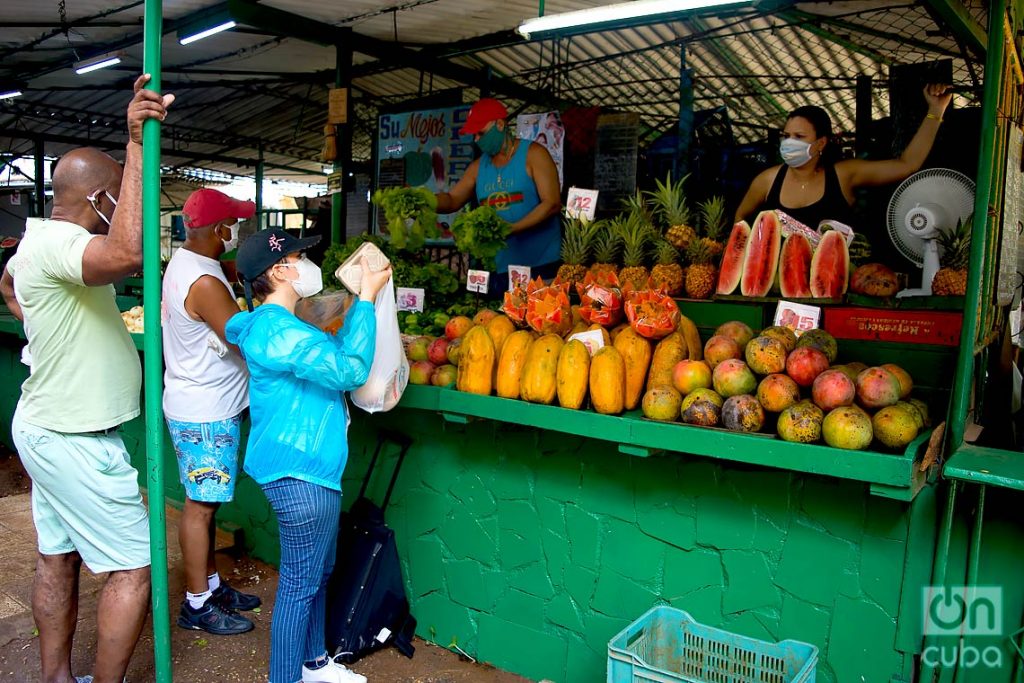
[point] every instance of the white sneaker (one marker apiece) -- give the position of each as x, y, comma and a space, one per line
332, 673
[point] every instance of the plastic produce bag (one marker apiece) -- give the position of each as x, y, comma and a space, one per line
389, 373
326, 311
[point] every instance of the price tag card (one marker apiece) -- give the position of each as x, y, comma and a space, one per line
581, 203
797, 317
477, 280
518, 276
592, 339
410, 299
16, 199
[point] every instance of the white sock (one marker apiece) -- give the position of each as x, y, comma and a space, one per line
213, 581
197, 600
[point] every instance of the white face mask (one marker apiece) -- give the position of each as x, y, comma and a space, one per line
310, 281
233, 242
795, 152
91, 198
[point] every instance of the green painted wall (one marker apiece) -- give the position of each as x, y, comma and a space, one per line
531, 549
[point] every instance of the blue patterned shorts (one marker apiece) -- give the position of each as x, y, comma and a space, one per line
207, 457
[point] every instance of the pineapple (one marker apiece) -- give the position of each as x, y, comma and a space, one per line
576, 240
667, 274
712, 216
951, 280
670, 208
635, 235
605, 248
636, 205
700, 276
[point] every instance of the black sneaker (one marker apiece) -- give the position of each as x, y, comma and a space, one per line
235, 600
213, 618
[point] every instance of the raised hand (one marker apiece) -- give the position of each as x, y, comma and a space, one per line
146, 104
372, 282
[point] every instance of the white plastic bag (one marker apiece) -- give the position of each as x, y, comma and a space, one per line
389, 373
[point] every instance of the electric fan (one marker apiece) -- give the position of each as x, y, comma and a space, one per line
924, 204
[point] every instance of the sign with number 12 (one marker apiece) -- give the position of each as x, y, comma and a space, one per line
580, 203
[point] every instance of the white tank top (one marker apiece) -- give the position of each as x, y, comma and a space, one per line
200, 384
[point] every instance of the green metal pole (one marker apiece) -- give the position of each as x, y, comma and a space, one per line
979, 236
930, 672
152, 349
259, 188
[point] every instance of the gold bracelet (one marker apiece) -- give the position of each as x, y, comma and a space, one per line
934, 117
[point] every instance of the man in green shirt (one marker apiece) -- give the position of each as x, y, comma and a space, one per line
84, 384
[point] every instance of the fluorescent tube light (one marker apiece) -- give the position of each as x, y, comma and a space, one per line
95, 64
609, 15
8, 94
206, 33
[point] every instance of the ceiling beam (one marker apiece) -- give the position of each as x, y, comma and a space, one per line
959, 20
71, 24
295, 26
851, 27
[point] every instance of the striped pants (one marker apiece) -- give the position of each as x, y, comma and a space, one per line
307, 516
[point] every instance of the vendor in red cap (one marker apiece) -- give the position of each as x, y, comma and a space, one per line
520, 180
205, 393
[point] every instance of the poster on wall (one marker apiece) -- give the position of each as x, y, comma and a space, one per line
545, 129
423, 149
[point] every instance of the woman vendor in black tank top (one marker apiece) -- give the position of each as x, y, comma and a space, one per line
813, 185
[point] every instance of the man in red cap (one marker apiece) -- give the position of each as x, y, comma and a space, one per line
205, 394
519, 179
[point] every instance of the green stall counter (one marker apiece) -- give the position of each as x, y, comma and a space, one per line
530, 535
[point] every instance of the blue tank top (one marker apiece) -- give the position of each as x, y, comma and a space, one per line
512, 192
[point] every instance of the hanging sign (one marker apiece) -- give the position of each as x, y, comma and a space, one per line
580, 203
334, 182
410, 298
477, 281
797, 317
337, 106
518, 276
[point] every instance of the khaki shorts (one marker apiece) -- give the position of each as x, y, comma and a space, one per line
85, 497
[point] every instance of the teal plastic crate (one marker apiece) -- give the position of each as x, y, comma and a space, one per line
666, 645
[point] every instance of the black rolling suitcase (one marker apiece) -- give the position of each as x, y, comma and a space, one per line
366, 604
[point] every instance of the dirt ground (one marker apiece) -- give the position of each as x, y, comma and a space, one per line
198, 657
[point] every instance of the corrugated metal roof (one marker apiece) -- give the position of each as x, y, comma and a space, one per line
244, 86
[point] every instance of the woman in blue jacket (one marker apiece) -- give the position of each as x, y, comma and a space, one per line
297, 446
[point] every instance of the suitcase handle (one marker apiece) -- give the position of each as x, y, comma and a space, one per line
404, 444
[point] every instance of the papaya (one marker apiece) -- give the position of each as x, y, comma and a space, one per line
538, 382
608, 381
573, 374
604, 334
694, 346
476, 362
510, 363
576, 317
732, 259
499, 328
667, 353
636, 354
615, 331
761, 260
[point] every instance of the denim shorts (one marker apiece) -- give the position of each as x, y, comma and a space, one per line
207, 457
85, 496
